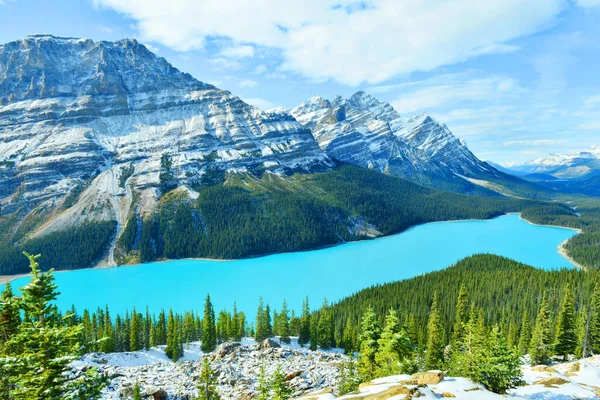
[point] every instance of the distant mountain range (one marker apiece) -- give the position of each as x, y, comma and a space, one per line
577, 172
100, 131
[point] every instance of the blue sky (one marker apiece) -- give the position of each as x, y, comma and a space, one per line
515, 79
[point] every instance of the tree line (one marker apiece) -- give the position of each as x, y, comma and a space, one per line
248, 216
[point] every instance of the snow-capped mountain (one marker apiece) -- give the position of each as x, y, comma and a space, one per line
79, 113
579, 165
364, 131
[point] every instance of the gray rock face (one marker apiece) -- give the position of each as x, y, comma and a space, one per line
71, 108
236, 366
74, 110
368, 133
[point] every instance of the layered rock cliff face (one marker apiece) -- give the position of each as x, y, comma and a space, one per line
366, 132
77, 114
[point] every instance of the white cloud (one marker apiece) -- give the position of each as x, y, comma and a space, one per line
248, 83
224, 63
590, 126
335, 39
260, 69
261, 103
446, 90
533, 143
238, 52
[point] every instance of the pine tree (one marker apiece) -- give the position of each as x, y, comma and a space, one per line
394, 353
500, 367
209, 330
135, 342
137, 391
304, 334
36, 358
261, 323
235, 325
268, 325
108, 341
349, 380
146, 329
460, 319
368, 345
314, 333
284, 323
566, 333
279, 387
170, 350
264, 386
539, 348
582, 349
465, 362
161, 329
325, 327
525, 334
434, 357
348, 337
207, 383
594, 322
9, 314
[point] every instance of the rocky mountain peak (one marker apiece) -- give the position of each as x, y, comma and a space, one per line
78, 112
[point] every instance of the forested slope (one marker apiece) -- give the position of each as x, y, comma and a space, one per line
504, 289
248, 216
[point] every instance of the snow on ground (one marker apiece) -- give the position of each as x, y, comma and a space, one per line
566, 381
192, 352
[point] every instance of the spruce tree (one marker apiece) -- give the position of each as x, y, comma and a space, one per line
566, 332
525, 334
314, 333
35, 362
368, 345
280, 388
137, 391
394, 353
261, 332
325, 327
500, 366
348, 337
466, 360
304, 334
135, 338
207, 383
582, 349
284, 323
209, 330
434, 356
170, 350
108, 340
268, 325
235, 325
161, 329
539, 348
9, 314
349, 380
146, 330
460, 320
264, 385
594, 322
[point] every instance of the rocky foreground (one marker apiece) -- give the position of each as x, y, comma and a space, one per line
314, 375
237, 366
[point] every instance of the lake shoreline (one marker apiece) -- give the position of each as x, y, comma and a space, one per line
561, 248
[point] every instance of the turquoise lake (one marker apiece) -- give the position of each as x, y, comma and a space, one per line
333, 272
